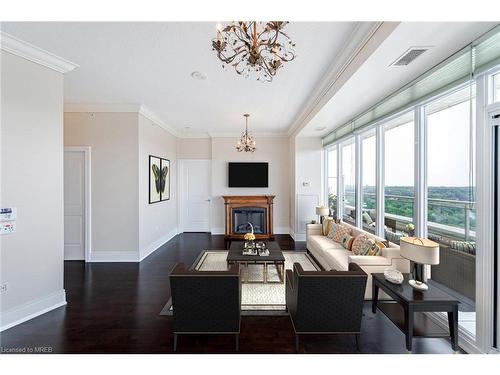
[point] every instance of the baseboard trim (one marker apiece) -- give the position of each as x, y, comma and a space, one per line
277, 230
299, 236
281, 230
32, 309
217, 231
157, 244
114, 256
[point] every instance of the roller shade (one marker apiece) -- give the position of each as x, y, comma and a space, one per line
459, 68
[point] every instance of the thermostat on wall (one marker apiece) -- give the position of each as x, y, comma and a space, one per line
8, 220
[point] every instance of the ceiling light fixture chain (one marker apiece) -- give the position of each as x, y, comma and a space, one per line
246, 142
254, 47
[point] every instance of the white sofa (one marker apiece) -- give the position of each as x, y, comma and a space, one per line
332, 256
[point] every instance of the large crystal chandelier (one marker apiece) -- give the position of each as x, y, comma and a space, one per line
254, 47
246, 142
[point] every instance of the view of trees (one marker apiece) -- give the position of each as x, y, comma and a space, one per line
399, 201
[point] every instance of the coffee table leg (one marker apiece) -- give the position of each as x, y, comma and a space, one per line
281, 270
453, 324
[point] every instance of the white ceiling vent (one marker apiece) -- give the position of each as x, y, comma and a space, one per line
409, 56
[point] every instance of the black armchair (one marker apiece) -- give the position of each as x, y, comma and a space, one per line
325, 302
206, 302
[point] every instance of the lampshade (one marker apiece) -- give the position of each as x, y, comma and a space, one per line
420, 250
322, 210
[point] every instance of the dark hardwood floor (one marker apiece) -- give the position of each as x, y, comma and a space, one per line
114, 308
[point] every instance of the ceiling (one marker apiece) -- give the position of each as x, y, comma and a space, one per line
376, 79
151, 63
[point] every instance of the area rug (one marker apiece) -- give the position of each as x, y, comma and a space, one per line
256, 299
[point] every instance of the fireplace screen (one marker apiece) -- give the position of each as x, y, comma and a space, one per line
244, 215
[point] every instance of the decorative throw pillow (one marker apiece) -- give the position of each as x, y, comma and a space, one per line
338, 231
331, 229
358, 243
369, 247
366, 218
381, 245
327, 222
346, 241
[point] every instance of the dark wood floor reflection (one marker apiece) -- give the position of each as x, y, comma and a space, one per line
114, 308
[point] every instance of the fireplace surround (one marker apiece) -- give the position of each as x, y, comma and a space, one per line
240, 210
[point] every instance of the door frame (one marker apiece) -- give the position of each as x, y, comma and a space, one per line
180, 188
88, 195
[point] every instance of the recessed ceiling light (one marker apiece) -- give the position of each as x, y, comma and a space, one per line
320, 128
198, 75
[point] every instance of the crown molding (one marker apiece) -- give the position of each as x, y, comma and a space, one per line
193, 135
98, 108
362, 43
151, 116
147, 113
35, 54
121, 108
254, 134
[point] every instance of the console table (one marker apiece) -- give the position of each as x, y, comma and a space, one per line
413, 301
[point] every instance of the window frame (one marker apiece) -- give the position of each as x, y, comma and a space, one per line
482, 341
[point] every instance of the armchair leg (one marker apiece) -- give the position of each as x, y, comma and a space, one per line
296, 342
175, 342
237, 341
357, 341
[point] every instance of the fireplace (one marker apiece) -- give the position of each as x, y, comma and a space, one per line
255, 209
244, 216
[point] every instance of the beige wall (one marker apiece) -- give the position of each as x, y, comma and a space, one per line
274, 150
194, 148
308, 182
114, 174
158, 221
32, 181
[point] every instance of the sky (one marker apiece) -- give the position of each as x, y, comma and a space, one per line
447, 150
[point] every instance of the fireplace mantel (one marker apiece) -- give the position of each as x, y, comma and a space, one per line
241, 201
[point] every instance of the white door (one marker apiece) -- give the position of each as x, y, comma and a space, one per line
74, 205
195, 195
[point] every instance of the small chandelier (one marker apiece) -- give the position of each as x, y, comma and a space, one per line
246, 142
254, 47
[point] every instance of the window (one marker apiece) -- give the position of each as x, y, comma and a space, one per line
349, 181
368, 178
399, 168
496, 88
332, 180
451, 209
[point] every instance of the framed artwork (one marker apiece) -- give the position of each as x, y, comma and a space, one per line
165, 170
159, 179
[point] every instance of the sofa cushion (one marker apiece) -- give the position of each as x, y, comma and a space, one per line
338, 259
322, 243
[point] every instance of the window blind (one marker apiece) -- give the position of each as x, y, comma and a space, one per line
474, 59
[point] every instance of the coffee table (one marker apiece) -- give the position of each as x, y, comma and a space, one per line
275, 257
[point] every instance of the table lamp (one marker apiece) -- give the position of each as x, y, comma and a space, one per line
322, 211
420, 251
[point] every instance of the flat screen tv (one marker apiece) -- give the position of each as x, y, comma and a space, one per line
248, 175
